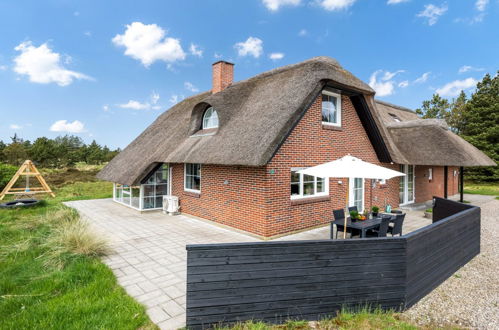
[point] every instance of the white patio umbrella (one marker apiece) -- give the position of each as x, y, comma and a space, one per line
350, 167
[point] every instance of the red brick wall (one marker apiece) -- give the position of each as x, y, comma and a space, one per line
230, 195
426, 189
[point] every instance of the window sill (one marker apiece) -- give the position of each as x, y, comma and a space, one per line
192, 194
307, 200
332, 127
205, 132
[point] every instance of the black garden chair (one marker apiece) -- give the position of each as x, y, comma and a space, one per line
382, 229
396, 229
340, 215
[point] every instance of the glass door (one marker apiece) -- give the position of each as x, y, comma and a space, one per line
406, 185
356, 195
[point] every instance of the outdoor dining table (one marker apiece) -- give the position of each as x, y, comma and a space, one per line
362, 225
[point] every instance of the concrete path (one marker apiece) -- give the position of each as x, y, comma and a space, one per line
150, 256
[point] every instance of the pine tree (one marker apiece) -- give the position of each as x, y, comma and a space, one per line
481, 125
437, 107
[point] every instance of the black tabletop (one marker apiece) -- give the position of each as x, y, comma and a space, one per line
360, 224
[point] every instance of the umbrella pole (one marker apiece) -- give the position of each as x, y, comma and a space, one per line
345, 223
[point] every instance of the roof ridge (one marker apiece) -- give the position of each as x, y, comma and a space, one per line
394, 106
284, 68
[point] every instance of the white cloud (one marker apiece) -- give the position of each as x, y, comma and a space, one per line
423, 78
455, 87
43, 66
190, 87
274, 5
15, 126
390, 75
336, 4
174, 99
467, 68
154, 97
105, 107
252, 46
217, 56
404, 84
148, 44
195, 50
433, 13
394, 2
276, 56
135, 105
65, 126
481, 5
87, 33
381, 86
302, 33
3, 67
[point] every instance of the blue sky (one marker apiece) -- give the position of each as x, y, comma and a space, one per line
105, 70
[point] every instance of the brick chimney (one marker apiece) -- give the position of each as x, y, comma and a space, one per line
223, 75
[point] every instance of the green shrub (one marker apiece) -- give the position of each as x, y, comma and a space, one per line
375, 209
6, 173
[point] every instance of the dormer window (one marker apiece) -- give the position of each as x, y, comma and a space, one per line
331, 108
210, 118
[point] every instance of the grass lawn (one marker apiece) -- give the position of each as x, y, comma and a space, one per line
50, 273
345, 320
481, 188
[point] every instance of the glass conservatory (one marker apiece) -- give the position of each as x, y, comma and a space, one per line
149, 194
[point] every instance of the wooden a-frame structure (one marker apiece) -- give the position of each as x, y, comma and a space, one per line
27, 169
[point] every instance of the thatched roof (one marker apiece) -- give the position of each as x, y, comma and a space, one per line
426, 141
255, 117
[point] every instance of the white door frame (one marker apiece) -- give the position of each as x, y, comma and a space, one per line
351, 184
405, 180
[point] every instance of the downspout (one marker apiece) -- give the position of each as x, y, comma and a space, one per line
446, 170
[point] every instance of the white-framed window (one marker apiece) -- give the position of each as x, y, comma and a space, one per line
192, 177
430, 173
210, 118
331, 108
303, 186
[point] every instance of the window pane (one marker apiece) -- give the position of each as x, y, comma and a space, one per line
321, 187
308, 188
295, 177
161, 189
159, 202
148, 203
148, 190
295, 189
332, 110
196, 183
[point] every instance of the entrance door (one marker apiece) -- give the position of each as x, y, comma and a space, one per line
406, 186
356, 195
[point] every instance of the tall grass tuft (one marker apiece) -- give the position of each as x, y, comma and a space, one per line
72, 235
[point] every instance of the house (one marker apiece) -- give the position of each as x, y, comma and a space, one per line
231, 154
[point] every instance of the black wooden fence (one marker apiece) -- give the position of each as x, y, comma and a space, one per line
275, 281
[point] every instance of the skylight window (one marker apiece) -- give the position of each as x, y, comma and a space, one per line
395, 118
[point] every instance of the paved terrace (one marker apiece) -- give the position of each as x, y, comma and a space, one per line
149, 256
